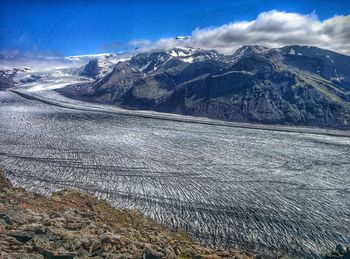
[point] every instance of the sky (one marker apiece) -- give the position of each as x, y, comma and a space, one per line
85, 27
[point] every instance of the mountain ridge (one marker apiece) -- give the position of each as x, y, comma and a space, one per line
299, 85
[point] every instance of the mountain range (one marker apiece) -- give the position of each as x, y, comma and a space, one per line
298, 85
293, 85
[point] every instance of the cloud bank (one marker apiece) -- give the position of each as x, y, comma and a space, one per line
36, 59
270, 29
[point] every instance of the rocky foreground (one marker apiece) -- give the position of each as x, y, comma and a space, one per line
72, 224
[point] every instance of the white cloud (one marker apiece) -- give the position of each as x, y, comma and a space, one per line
270, 29
37, 60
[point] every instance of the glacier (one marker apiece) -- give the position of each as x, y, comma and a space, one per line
273, 190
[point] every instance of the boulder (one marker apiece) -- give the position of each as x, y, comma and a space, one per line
22, 236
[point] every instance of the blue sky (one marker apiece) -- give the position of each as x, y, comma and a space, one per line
80, 27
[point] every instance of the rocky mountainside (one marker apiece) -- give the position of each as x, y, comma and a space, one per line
297, 85
12, 77
72, 224
99, 67
7, 78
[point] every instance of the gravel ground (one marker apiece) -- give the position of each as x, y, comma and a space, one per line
268, 191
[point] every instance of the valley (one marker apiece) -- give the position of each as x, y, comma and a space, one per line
273, 191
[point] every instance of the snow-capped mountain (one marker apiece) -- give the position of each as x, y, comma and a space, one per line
99, 65
71, 68
155, 60
293, 85
193, 55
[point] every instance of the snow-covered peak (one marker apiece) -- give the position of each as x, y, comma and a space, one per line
181, 52
250, 49
193, 55
99, 65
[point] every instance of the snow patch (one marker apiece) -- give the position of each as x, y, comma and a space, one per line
145, 66
337, 77
188, 60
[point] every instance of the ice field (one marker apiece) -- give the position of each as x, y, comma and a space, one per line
270, 191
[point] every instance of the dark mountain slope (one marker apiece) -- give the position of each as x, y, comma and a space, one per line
6, 79
291, 85
328, 64
254, 90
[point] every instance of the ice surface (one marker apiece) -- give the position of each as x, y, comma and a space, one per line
270, 191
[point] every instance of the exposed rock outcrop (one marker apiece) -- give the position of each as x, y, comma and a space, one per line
340, 252
91, 69
6, 79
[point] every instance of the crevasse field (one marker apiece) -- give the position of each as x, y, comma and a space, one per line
274, 192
